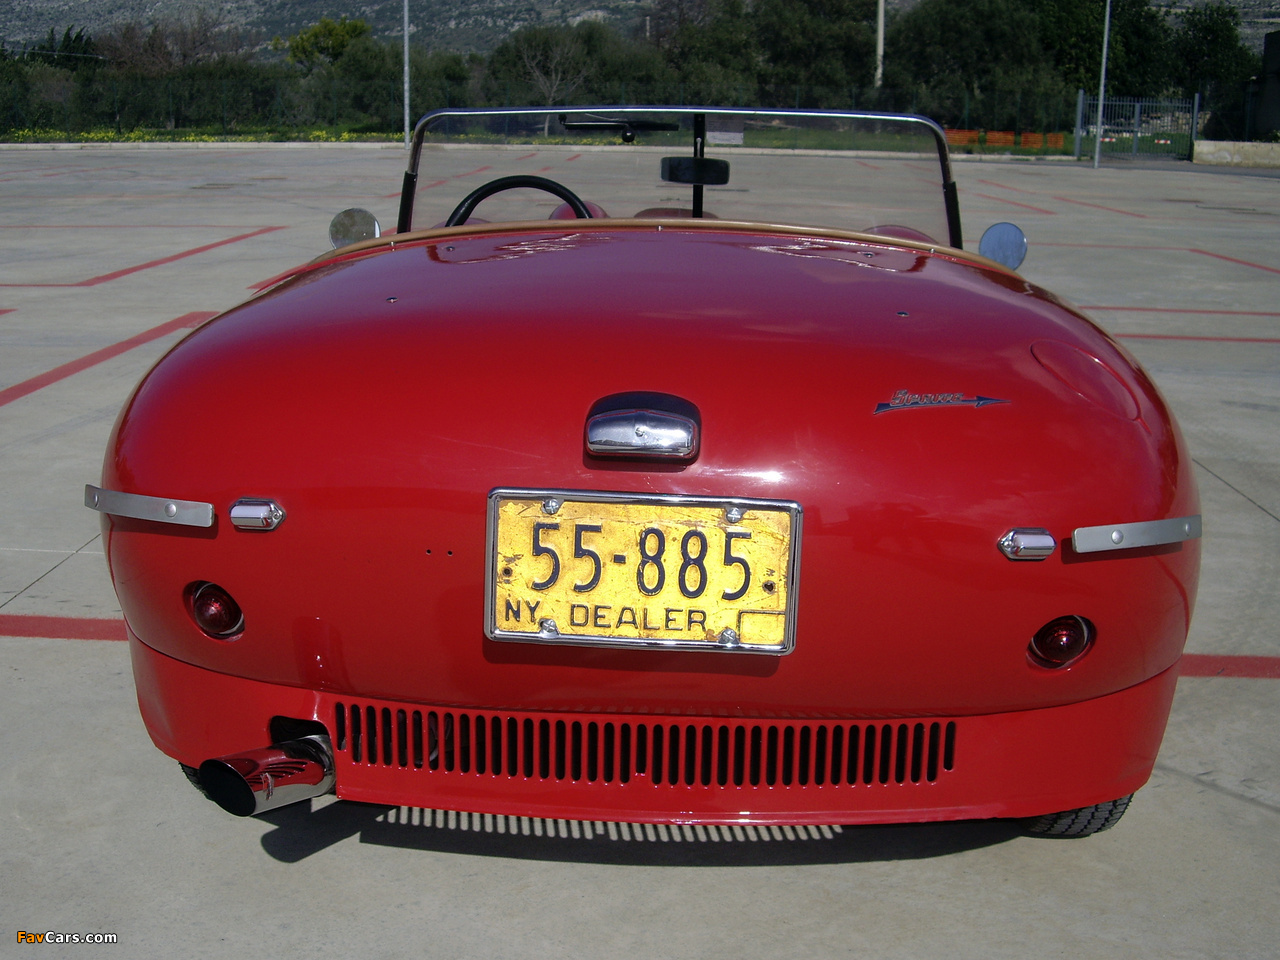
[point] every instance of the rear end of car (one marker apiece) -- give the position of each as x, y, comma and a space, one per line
661, 520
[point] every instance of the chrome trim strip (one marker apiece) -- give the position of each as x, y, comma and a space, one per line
549, 633
185, 513
1126, 536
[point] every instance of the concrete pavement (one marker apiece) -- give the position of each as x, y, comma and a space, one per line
108, 255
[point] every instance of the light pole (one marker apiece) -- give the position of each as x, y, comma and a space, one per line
880, 41
1102, 86
406, 72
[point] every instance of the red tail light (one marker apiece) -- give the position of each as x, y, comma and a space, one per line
214, 610
1061, 641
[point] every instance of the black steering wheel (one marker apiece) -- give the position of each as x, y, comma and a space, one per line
462, 212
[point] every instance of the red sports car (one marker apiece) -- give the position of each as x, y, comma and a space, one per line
647, 498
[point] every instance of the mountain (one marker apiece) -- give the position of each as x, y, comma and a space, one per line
463, 25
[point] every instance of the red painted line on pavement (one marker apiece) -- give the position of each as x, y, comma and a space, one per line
528, 156
574, 157
83, 628
471, 173
1098, 206
1005, 186
1126, 246
1015, 203
68, 172
1174, 336
4, 310
1210, 665
1214, 313
117, 274
61, 628
1192, 664
116, 226
1111, 246
10, 394
872, 166
1244, 263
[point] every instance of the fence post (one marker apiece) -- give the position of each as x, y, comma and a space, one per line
1195, 125
1137, 125
1079, 120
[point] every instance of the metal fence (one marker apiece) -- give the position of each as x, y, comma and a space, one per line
1137, 128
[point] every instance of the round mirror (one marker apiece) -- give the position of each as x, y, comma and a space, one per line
1005, 243
352, 226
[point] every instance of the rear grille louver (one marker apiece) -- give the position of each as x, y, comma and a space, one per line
661, 751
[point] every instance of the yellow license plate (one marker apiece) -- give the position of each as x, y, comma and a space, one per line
603, 569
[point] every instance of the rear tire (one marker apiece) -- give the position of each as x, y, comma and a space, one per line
1082, 822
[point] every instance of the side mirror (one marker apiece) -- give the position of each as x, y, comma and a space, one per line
695, 170
352, 226
1005, 243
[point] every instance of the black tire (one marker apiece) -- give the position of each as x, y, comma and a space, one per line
193, 775
1083, 822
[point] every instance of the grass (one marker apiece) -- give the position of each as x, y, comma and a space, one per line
776, 136
197, 135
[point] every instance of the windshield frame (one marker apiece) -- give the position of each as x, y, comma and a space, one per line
429, 120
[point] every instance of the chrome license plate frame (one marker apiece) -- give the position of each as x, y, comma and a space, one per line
741, 554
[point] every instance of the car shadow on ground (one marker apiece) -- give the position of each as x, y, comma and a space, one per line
302, 831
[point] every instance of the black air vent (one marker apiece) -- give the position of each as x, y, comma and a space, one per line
550, 747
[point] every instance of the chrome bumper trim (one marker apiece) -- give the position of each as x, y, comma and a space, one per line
1126, 536
186, 513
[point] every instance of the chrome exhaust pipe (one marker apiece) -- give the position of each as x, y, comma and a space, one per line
253, 782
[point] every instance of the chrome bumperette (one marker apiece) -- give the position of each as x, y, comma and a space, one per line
186, 513
251, 514
642, 433
1126, 536
1027, 543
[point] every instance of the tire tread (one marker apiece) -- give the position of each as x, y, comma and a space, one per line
1081, 822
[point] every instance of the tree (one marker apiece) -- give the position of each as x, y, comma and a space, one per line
1208, 50
440, 79
816, 43
974, 44
1213, 62
370, 75
1138, 57
552, 60
974, 62
324, 42
72, 51
170, 44
711, 45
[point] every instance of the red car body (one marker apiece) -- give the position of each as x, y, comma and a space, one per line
912, 404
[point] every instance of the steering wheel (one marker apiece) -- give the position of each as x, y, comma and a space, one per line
463, 210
